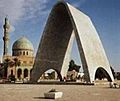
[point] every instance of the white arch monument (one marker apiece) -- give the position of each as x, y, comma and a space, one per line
64, 24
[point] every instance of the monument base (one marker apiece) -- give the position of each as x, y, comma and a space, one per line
53, 95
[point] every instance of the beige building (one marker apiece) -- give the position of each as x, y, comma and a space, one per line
22, 59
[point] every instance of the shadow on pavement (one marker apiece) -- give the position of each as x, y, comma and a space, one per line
41, 98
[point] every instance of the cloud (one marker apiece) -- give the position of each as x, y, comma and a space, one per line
12, 28
78, 3
22, 9
13, 8
35, 8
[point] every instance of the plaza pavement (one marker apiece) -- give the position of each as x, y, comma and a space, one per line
35, 92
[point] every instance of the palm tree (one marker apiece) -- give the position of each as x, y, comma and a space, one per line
6, 64
71, 65
16, 63
1, 70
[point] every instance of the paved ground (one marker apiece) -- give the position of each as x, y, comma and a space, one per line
24, 92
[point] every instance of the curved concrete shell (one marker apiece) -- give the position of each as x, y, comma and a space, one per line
64, 23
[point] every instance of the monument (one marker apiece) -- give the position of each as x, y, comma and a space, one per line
64, 24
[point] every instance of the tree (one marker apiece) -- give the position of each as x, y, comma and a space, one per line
73, 66
1, 70
6, 64
16, 63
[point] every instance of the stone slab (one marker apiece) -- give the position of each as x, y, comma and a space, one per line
53, 95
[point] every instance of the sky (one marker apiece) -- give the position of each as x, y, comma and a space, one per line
28, 18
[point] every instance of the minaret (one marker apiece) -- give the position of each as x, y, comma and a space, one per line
6, 27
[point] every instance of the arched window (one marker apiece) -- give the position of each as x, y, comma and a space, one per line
25, 73
30, 72
27, 52
19, 73
24, 53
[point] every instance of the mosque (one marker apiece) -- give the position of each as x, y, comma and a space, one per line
20, 63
